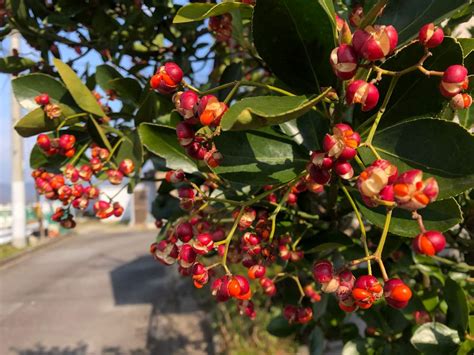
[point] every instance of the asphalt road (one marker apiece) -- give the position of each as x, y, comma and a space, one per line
99, 292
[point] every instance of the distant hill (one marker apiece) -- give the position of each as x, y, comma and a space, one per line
5, 192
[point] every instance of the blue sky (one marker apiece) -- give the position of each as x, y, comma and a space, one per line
93, 59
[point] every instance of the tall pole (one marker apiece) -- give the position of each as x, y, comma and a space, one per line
18, 184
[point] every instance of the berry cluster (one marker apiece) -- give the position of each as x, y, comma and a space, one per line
193, 241
64, 145
206, 111
362, 292
73, 187
374, 43
338, 149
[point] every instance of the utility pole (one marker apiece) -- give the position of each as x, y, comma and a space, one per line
18, 183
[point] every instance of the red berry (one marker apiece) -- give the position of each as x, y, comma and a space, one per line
167, 78
396, 293
323, 271
375, 42
454, 80
256, 271
185, 134
43, 142
42, 99
430, 35
127, 166
429, 243
461, 101
184, 231
364, 93
344, 61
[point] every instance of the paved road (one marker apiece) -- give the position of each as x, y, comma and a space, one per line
99, 292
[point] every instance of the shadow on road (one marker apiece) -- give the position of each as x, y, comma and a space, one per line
178, 324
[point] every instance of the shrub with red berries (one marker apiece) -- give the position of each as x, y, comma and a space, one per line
323, 167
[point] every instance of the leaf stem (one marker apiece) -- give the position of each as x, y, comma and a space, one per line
232, 93
381, 111
363, 233
229, 237
79, 154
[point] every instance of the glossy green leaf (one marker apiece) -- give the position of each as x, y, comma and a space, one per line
458, 308
408, 16
81, 94
161, 141
15, 64
439, 215
104, 74
415, 95
260, 111
440, 148
36, 122
40, 160
166, 207
435, 338
308, 130
259, 157
27, 87
279, 327
127, 89
467, 45
199, 12
295, 39
152, 107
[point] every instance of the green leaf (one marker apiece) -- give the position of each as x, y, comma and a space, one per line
439, 215
166, 206
415, 95
467, 45
199, 12
40, 160
27, 87
442, 149
432, 338
295, 39
104, 74
279, 327
260, 111
308, 129
152, 107
15, 64
409, 16
127, 89
36, 122
98, 134
259, 157
161, 140
458, 309
81, 94
316, 342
